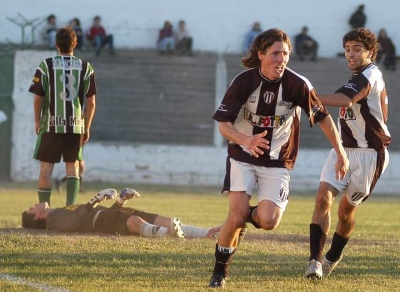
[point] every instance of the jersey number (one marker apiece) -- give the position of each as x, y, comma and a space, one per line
69, 92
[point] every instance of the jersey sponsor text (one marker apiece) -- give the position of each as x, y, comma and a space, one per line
264, 121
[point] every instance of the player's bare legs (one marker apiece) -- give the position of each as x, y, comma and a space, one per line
346, 213
321, 220
344, 229
229, 236
44, 182
322, 211
319, 228
237, 216
267, 215
46, 170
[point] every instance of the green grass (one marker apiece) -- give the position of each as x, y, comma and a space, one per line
265, 261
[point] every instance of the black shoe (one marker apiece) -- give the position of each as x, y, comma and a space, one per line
217, 281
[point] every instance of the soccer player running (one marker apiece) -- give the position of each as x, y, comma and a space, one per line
260, 117
64, 105
362, 120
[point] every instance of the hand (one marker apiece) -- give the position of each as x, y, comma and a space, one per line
213, 232
256, 143
36, 128
85, 137
341, 167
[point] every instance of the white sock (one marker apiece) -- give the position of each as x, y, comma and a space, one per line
94, 201
150, 230
121, 201
194, 231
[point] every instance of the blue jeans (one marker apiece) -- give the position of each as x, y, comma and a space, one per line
100, 41
166, 44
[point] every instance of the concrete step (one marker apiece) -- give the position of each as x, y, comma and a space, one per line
144, 97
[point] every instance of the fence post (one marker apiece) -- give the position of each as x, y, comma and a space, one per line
220, 88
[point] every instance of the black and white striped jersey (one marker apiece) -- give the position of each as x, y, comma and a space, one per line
253, 104
363, 125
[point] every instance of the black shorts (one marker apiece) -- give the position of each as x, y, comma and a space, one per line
50, 147
113, 220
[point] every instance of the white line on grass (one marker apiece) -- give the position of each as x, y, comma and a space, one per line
20, 281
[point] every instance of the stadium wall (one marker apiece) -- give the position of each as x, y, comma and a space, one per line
217, 26
144, 163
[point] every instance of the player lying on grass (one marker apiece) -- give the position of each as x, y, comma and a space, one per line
91, 217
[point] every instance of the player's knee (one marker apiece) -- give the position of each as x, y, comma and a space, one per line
237, 220
323, 202
133, 225
269, 223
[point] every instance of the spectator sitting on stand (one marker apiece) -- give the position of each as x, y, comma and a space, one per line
387, 51
183, 40
166, 40
251, 35
76, 26
98, 37
49, 32
305, 45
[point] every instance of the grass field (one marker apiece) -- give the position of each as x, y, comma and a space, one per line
33, 260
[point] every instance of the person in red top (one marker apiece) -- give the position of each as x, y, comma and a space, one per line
166, 40
98, 37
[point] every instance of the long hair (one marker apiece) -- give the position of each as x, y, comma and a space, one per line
28, 221
261, 43
365, 36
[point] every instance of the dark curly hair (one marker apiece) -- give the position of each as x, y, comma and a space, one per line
365, 36
28, 221
261, 43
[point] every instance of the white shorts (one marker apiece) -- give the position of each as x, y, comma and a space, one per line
272, 182
365, 168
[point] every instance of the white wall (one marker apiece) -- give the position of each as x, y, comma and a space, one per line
216, 25
138, 163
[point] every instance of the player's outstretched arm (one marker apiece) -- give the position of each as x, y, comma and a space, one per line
329, 129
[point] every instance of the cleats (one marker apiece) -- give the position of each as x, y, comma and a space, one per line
217, 281
175, 229
328, 266
314, 270
243, 232
106, 194
128, 193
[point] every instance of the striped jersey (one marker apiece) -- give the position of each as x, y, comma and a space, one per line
64, 82
363, 125
253, 104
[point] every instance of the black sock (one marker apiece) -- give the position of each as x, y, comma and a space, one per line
223, 256
317, 242
250, 218
337, 246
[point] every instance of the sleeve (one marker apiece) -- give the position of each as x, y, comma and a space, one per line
90, 81
39, 82
312, 106
231, 104
357, 86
